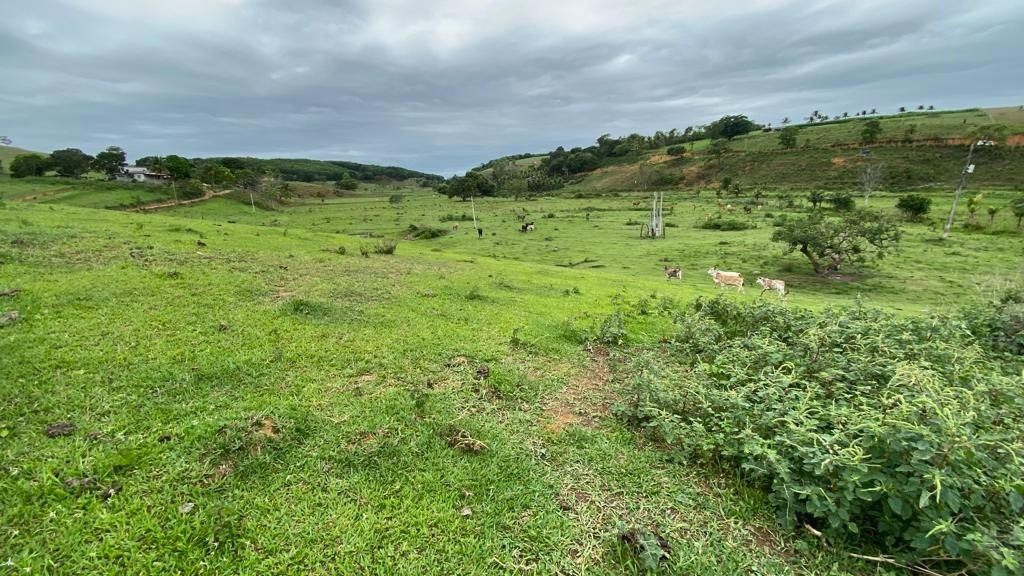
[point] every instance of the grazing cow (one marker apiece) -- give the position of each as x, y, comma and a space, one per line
479, 232
723, 279
729, 208
526, 227
671, 273
769, 284
747, 209
455, 227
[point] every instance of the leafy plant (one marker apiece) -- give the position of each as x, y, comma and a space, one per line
914, 206
896, 434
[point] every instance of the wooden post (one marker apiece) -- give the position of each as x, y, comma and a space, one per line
475, 227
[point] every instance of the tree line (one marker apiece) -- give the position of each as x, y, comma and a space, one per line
502, 177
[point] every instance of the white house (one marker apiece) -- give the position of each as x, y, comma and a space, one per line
140, 174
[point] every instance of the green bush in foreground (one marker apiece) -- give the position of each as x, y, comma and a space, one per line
904, 436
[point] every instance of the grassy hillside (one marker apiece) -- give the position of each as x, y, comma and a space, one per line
920, 149
250, 395
8, 153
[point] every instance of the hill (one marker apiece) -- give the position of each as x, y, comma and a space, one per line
919, 149
8, 153
305, 170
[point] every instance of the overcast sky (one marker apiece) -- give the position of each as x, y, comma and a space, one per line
442, 86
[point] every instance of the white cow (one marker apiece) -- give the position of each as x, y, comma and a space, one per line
723, 279
770, 284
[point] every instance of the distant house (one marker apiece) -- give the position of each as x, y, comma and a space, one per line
140, 174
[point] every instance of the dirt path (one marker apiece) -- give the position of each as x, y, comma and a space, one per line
170, 203
585, 399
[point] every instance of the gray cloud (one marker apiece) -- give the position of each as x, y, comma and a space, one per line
442, 86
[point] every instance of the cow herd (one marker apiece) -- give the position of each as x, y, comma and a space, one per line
722, 279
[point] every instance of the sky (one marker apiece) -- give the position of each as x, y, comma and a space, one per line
442, 86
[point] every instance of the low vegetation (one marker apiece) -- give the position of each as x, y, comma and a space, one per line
899, 436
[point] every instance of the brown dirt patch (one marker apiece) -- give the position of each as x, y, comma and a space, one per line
585, 399
1015, 140
838, 161
659, 158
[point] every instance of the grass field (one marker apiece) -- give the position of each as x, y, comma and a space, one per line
607, 242
250, 395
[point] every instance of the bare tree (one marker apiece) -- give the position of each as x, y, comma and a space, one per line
870, 177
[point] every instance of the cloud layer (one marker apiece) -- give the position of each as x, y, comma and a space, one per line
444, 85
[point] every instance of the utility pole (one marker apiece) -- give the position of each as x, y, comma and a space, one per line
475, 227
968, 169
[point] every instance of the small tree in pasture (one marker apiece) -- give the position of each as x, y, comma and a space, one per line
830, 243
871, 131
992, 211
816, 197
841, 201
1017, 207
25, 165
717, 149
973, 203
870, 176
347, 182
787, 138
914, 206
178, 167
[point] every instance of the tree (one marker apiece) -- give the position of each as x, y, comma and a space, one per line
841, 201
816, 197
110, 160
70, 162
914, 206
25, 165
215, 174
870, 176
729, 127
903, 109
787, 138
992, 211
347, 182
717, 149
1017, 207
468, 186
973, 203
830, 243
178, 168
871, 131
785, 121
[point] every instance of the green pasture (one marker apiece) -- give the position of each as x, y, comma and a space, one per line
601, 235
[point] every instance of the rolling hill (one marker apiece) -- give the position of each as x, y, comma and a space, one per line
8, 153
919, 149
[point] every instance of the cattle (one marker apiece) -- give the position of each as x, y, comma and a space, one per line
747, 209
455, 227
769, 284
723, 279
526, 227
671, 273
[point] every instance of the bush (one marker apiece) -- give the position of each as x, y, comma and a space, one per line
678, 150
841, 201
914, 206
457, 218
903, 435
396, 198
414, 232
725, 224
385, 247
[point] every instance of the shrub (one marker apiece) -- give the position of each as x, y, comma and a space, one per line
841, 201
414, 232
678, 150
725, 224
897, 434
457, 218
914, 206
385, 247
396, 198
